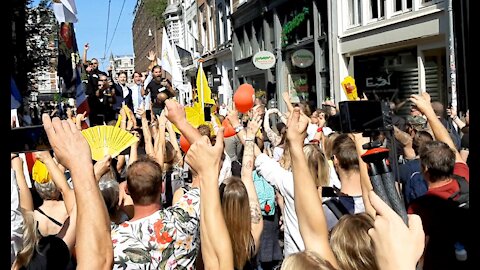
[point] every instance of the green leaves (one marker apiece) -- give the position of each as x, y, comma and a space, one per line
156, 8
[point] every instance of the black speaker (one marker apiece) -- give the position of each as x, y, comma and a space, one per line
364, 116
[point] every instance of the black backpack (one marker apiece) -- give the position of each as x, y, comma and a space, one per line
337, 207
461, 197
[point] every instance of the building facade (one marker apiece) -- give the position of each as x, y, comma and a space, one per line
392, 48
174, 23
123, 63
295, 35
147, 36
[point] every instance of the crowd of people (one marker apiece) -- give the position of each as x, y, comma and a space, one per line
287, 191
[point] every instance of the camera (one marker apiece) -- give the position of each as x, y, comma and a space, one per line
365, 116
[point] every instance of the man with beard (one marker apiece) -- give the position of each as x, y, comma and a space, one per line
160, 89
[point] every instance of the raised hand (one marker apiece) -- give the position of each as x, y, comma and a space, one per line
254, 124
151, 56
232, 116
86, 47
204, 158
396, 245
42, 156
297, 127
175, 112
70, 147
102, 166
422, 102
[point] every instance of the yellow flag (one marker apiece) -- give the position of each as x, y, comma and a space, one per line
202, 84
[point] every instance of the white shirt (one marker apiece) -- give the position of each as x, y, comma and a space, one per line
311, 131
124, 90
16, 219
136, 96
283, 181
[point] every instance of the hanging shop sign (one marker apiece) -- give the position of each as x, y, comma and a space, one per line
264, 60
302, 58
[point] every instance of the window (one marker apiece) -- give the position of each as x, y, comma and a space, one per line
221, 24
354, 11
402, 5
377, 9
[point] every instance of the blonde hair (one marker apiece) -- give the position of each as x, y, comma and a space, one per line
48, 190
328, 144
317, 164
306, 260
286, 160
351, 243
236, 210
30, 240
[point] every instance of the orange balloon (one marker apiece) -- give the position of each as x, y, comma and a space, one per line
228, 131
184, 144
244, 97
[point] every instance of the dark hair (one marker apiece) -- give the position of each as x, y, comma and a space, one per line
421, 137
123, 72
438, 159
144, 181
156, 66
137, 72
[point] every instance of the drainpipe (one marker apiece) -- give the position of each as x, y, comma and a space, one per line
451, 50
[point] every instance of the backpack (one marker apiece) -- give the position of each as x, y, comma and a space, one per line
461, 197
337, 208
265, 193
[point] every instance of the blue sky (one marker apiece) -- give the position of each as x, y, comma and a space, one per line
92, 27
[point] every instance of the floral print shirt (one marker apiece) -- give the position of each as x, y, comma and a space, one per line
167, 239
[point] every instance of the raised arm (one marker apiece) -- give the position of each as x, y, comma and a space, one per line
160, 139
233, 118
26, 201
85, 50
406, 140
147, 136
439, 131
308, 202
174, 142
176, 114
153, 60
452, 112
216, 244
58, 177
134, 149
286, 99
247, 179
272, 136
366, 185
93, 242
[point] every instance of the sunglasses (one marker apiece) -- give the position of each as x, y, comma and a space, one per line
94, 63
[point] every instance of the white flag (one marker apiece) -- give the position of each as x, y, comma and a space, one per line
66, 11
169, 61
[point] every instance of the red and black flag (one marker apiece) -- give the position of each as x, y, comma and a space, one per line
70, 67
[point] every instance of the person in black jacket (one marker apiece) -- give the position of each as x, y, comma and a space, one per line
123, 93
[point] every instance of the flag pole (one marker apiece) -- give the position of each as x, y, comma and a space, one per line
201, 87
